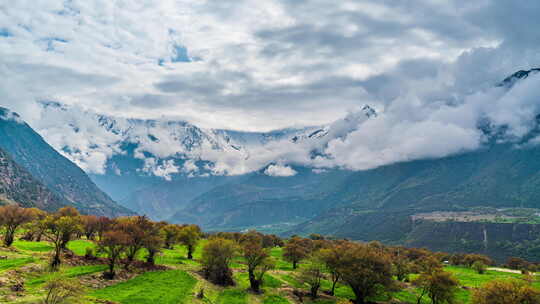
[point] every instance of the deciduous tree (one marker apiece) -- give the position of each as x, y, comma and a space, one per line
189, 236
333, 260
57, 229
296, 249
257, 259
11, 218
312, 274
440, 286
90, 224
113, 244
366, 270
217, 255
170, 235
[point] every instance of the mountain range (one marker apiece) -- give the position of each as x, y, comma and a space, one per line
44, 178
177, 171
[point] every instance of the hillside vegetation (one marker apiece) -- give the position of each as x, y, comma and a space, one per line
164, 263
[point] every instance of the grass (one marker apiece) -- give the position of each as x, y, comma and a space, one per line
242, 280
33, 246
14, 263
79, 246
179, 286
70, 272
167, 287
232, 296
273, 299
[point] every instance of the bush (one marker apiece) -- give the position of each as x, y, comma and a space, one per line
479, 267
61, 290
506, 292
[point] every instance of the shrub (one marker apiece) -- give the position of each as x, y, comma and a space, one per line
216, 259
506, 292
61, 290
479, 267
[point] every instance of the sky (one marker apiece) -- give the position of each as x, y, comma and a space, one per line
428, 67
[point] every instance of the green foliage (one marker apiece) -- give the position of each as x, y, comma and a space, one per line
166, 287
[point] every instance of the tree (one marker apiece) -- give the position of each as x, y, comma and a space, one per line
153, 243
296, 249
402, 267
103, 224
479, 267
90, 224
113, 244
56, 230
312, 274
257, 259
73, 214
333, 260
61, 290
506, 292
34, 228
137, 228
189, 236
366, 270
470, 259
170, 235
11, 217
217, 255
517, 263
440, 286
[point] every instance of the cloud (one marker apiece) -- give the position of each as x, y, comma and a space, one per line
137, 71
281, 171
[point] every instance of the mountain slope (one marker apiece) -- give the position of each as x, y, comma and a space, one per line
56, 172
497, 176
18, 186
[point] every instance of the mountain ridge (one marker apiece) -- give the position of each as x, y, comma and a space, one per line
63, 178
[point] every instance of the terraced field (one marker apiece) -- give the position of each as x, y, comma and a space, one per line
178, 281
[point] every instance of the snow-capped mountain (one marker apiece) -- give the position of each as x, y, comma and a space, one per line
167, 148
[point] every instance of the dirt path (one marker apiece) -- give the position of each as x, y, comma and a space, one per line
507, 270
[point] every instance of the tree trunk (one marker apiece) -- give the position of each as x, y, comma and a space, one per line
190, 252
360, 298
294, 264
8, 239
150, 257
313, 292
255, 284
55, 263
333, 290
110, 275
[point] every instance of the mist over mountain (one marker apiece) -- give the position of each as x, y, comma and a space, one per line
233, 179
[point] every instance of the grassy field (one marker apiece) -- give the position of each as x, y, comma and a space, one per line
181, 282
167, 287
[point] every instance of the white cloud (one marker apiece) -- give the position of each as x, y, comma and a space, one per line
281, 171
428, 69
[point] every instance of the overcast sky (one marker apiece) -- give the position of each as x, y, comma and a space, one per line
255, 65
428, 67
